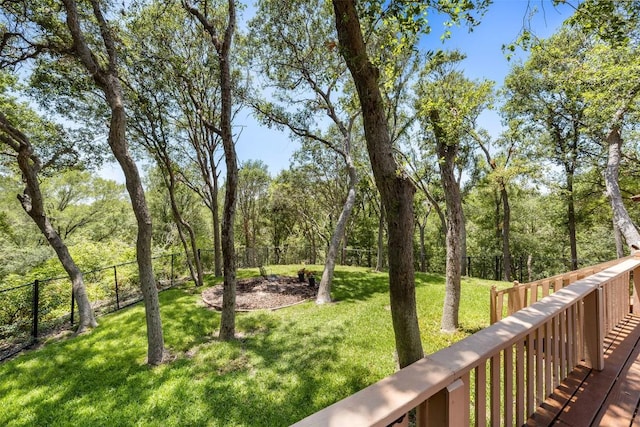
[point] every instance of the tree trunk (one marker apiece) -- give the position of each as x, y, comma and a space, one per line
222, 46
228, 319
155, 350
32, 203
423, 251
447, 155
324, 289
86, 314
620, 215
571, 222
617, 235
506, 229
463, 242
193, 260
107, 80
396, 189
217, 245
380, 252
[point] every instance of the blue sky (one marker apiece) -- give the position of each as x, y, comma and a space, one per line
501, 25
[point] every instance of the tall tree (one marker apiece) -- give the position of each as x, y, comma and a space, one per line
297, 50
151, 90
449, 105
253, 187
221, 40
505, 159
396, 189
612, 89
545, 96
82, 33
32, 201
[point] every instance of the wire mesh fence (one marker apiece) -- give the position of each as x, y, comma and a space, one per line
43, 307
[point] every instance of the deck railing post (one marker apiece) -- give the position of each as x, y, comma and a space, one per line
449, 407
593, 329
493, 316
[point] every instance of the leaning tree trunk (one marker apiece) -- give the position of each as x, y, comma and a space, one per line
396, 189
324, 288
32, 203
106, 78
620, 215
117, 142
193, 260
617, 236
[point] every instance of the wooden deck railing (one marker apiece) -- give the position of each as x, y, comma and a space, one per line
507, 301
499, 375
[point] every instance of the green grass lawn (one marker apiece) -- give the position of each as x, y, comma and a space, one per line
286, 364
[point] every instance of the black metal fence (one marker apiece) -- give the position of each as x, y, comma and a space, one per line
524, 268
42, 307
291, 255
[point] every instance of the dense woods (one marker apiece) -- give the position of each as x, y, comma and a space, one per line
392, 170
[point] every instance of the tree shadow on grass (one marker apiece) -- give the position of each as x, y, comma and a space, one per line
276, 374
358, 286
293, 372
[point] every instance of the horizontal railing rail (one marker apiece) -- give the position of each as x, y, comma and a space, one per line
505, 302
499, 375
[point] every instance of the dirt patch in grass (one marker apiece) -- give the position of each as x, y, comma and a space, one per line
260, 293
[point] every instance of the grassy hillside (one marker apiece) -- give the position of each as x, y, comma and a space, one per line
286, 364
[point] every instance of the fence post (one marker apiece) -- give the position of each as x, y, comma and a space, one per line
172, 259
73, 300
36, 303
115, 278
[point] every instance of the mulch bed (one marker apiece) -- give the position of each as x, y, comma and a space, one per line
260, 293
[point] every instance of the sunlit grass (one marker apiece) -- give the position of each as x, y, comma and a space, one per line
285, 365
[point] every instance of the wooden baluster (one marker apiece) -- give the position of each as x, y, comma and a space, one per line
481, 395
494, 371
508, 386
531, 406
556, 351
520, 383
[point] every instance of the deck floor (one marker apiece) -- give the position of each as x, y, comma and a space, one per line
610, 397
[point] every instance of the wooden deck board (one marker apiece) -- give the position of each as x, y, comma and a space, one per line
547, 413
589, 397
621, 403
